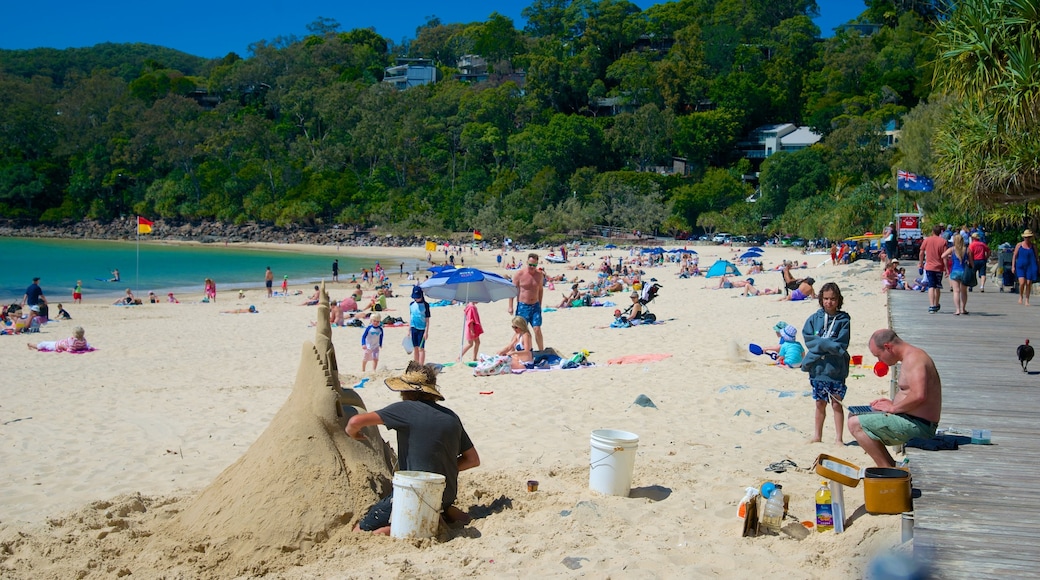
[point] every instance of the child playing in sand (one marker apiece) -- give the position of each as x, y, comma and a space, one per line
371, 342
74, 343
791, 352
826, 335
171, 299
62, 313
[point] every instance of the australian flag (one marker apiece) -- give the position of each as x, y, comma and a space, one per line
913, 182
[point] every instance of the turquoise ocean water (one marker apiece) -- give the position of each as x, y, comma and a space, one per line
160, 268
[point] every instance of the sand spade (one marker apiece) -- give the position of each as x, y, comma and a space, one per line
757, 351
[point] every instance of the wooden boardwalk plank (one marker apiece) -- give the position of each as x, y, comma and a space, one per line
977, 513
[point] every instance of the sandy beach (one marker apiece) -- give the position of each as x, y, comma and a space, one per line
101, 448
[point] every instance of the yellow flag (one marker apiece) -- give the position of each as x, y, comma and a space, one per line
431, 246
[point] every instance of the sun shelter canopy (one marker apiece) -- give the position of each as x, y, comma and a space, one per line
722, 268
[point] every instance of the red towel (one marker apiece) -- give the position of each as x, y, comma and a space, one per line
473, 327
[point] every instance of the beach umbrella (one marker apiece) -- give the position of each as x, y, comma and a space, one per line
468, 285
750, 255
609, 247
755, 249
440, 268
655, 251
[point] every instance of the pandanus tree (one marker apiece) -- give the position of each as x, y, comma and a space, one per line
988, 148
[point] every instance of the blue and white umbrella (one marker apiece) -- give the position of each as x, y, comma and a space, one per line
756, 249
750, 256
468, 285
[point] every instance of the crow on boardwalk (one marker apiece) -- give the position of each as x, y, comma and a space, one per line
1025, 354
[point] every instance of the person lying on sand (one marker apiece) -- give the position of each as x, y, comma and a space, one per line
251, 310
430, 438
74, 343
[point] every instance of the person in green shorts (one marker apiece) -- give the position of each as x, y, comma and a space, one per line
913, 412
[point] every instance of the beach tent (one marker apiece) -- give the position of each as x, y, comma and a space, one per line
722, 268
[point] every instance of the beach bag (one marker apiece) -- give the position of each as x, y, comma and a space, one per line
968, 278
492, 365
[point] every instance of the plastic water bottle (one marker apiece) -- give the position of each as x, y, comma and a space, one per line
774, 511
824, 512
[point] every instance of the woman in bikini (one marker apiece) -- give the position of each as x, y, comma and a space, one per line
519, 347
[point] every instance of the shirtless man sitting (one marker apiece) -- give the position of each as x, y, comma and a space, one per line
915, 410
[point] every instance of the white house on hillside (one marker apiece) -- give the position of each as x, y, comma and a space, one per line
768, 139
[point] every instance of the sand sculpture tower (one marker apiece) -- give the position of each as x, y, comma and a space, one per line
303, 478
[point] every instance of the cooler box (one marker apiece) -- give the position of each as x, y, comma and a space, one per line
886, 490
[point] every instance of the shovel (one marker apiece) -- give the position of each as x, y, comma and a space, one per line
757, 351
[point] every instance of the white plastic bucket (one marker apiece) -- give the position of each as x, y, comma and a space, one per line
612, 458
417, 504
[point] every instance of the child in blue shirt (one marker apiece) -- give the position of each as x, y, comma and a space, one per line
791, 352
372, 341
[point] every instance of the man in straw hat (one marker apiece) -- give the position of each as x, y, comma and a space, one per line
430, 438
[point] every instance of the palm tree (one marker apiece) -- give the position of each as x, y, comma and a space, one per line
989, 60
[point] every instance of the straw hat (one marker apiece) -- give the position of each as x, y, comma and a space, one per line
1027, 234
416, 377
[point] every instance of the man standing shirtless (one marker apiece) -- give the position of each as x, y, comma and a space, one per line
529, 282
269, 281
915, 410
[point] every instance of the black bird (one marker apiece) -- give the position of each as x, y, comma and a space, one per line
1025, 354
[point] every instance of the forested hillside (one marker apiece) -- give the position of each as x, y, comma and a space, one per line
579, 107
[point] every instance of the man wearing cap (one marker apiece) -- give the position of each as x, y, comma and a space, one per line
419, 323
979, 256
430, 438
529, 283
33, 294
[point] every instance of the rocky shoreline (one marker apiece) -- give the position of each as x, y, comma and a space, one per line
206, 233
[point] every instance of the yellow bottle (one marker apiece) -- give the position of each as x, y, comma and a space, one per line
824, 512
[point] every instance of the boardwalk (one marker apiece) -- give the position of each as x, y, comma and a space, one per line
979, 511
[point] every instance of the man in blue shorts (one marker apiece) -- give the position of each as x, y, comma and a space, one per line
913, 412
529, 283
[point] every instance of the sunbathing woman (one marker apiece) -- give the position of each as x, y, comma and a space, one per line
802, 292
519, 347
569, 299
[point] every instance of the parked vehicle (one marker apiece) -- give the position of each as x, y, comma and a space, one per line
721, 238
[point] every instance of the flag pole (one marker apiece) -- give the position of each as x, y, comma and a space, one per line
137, 273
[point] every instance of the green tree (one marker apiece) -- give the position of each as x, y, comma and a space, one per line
986, 149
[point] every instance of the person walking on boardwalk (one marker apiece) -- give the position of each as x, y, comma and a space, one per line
932, 249
1024, 266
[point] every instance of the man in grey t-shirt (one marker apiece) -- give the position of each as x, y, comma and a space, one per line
430, 438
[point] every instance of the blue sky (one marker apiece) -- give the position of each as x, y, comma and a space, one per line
213, 29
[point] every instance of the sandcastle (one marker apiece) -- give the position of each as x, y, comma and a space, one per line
302, 479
